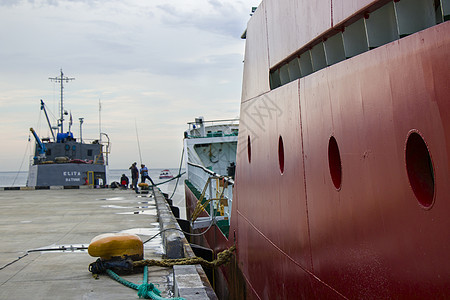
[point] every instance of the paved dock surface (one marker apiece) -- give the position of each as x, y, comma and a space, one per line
52, 219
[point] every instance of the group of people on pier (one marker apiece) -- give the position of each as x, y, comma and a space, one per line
124, 181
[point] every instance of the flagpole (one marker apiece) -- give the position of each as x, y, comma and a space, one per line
100, 120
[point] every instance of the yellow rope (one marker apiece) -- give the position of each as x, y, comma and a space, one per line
222, 258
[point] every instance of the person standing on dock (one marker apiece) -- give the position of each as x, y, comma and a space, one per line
144, 174
134, 176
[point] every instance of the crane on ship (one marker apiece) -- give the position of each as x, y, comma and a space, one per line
41, 145
48, 120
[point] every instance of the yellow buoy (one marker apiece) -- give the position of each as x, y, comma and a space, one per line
110, 245
143, 185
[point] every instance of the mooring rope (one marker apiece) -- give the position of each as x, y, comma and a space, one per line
184, 232
179, 173
222, 258
16, 260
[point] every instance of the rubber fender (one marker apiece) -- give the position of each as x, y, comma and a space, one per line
110, 245
143, 184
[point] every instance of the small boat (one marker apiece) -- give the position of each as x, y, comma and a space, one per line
165, 174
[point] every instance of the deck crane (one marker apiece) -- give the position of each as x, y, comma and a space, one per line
48, 121
42, 147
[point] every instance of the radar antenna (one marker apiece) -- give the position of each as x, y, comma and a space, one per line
61, 80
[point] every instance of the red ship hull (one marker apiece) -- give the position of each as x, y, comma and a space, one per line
371, 238
332, 196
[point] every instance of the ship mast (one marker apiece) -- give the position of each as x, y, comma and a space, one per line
61, 80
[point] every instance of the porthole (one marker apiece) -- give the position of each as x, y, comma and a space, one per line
281, 154
334, 163
420, 169
249, 150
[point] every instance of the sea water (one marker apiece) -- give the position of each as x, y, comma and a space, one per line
9, 179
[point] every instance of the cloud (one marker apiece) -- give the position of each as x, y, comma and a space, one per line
219, 17
156, 62
46, 2
9, 2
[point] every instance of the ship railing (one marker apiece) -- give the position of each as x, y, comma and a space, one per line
219, 189
212, 134
214, 122
200, 123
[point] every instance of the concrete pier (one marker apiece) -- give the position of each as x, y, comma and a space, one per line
45, 233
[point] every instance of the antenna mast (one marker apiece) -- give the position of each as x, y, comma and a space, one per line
100, 120
61, 80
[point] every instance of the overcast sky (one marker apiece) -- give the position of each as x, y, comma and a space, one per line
158, 64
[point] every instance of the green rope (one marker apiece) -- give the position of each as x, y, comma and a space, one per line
145, 290
121, 280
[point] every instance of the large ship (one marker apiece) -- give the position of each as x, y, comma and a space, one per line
62, 160
343, 156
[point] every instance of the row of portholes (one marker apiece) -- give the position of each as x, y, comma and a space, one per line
417, 158
67, 147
